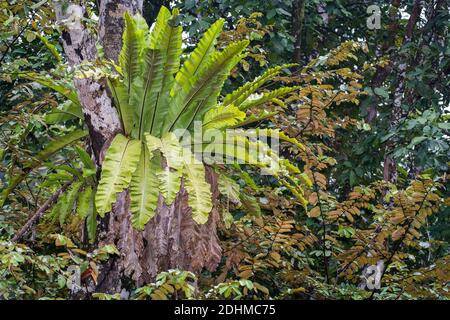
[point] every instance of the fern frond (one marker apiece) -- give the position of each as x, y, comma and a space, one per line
198, 58
265, 97
145, 91
84, 200
170, 47
222, 117
204, 89
67, 111
86, 210
69, 201
159, 28
144, 190
133, 41
280, 135
121, 99
120, 162
241, 94
170, 175
255, 118
198, 189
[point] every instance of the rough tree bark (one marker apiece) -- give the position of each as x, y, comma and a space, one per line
171, 239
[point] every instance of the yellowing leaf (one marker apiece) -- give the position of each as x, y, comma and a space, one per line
314, 213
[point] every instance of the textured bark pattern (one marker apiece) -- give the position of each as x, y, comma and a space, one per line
172, 239
111, 24
79, 46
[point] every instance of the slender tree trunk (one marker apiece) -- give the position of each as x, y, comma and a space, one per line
171, 239
398, 113
382, 73
298, 18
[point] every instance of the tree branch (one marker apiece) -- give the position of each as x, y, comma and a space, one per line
39, 213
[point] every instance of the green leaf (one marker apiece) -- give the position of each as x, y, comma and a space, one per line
53, 147
381, 92
68, 202
254, 101
242, 93
84, 202
417, 140
145, 91
61, 87
199, 191
49, 46
121, 100
85, 158
68, 111
222, 117
250, 204
170, 176
170, 46
144, 190
91, 220
60, 143
133, 40
444, 126
198, 58
159, 29
120, 162
200, 94
229, 188
256, 118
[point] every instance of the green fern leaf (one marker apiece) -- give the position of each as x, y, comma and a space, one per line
91, 226
84, 202
144, 190
69, 201
202, 92
222, 117
85, 158
257, 100
159, 28
67, 111
199, 191
62, 87
241, 94
263, 115
230, 189
120, 162
145, 91
121, 100
169, 44
91, 219
250, 204
170, 176
133, 41
198, 58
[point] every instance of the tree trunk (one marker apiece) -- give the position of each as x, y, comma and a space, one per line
398, 113
171, 239
382, 73
298, 18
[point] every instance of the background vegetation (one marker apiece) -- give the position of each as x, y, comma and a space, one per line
371, 111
